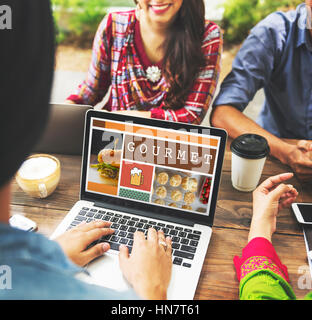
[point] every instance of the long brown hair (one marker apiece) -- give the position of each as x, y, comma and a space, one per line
183, 57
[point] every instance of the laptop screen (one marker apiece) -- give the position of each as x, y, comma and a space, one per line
143, 164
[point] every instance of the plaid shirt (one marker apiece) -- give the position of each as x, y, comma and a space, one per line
119, 63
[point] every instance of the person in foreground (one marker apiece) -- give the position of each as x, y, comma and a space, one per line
276, 56
160, 61
260, 272
42, 268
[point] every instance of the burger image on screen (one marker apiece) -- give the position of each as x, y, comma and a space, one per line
109, 165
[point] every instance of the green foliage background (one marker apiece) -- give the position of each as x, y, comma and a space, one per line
241, 15
77, 20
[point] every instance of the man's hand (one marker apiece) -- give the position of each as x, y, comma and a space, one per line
270, 197
148, 269
75, 241
299, 158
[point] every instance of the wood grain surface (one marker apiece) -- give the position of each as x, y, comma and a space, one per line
230, 230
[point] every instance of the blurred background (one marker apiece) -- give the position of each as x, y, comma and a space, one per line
76, 22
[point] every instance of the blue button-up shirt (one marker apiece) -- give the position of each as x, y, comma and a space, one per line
34, 267
276, 56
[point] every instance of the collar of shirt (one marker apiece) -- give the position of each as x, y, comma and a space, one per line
138, 43
304, 36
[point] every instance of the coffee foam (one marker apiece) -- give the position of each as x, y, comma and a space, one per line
37, 168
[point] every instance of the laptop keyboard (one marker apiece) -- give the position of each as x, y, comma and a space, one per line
184, 240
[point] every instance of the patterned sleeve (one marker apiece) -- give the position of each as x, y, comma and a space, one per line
200, 98
261, 274
98, 80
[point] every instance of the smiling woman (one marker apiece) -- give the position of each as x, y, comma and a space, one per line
160, 60
160, 12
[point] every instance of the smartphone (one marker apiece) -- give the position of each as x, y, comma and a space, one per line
20, 222
303, 212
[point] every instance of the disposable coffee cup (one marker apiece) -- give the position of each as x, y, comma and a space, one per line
249, 152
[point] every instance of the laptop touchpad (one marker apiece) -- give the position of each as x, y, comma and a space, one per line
105, 271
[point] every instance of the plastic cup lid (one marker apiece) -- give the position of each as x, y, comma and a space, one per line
250, 146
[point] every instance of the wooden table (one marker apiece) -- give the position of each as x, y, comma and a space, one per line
230, 231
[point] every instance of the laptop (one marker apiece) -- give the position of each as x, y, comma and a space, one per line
140, 173
64, 131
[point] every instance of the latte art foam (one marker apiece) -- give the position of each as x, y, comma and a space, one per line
37, 168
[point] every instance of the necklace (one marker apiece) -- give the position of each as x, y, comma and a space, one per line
153, 74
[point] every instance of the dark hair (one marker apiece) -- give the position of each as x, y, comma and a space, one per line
26, 64
183, 58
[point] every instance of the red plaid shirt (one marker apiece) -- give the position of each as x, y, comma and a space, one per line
119, 63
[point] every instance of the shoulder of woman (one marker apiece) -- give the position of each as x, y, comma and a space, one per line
212, 37
212, 30
115, 23
121, 21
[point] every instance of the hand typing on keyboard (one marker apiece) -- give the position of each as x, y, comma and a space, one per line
146, 264
76, 241
148, 269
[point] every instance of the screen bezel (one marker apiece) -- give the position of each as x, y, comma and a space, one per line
298, 214
122, 204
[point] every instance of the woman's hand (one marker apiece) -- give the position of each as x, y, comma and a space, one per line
69, 102
299, 158
148, 269
134, 113
271, 196
75, 241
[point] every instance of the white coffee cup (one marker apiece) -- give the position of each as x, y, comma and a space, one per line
39, 175
249, 152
